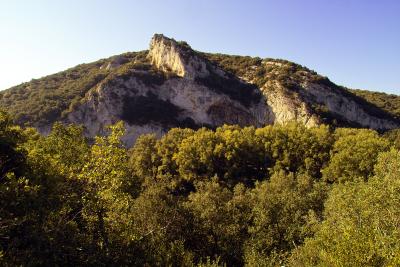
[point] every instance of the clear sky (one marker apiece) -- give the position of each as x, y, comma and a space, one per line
356, 43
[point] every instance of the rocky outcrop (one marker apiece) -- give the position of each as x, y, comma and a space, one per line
171, 85
294, 93
169, 56
300, 106
180, 100
344, 105
284, 107
193, 92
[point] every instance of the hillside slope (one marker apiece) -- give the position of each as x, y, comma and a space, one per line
171, 85
388, 102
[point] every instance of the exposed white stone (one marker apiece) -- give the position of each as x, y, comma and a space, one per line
167, 55
283, 108
345, 107
103, 105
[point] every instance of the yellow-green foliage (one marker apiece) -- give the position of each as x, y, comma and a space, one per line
278, 195
394, 137
361, 225
354, 155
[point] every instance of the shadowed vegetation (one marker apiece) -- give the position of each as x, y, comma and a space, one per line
273, 196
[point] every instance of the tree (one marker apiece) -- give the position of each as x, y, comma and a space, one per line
40, 201
161, 227
281, 211
394, 137
221, 218
11, 156
195, 158
231, 153
294, 148
143, 157
354, 155
167, 147
361, 222
108, 198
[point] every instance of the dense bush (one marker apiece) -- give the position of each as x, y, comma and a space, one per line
393, 136
237, 65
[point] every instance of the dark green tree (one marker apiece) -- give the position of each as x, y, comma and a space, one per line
283, 212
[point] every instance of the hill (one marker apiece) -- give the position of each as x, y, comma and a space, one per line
172, 85
388, 102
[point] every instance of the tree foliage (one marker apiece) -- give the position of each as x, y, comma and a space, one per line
361, 225
354, 155
278, 195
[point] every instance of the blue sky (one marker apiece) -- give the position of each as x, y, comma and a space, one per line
353, 42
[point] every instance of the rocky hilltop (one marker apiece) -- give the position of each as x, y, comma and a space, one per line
171, 85
176, 88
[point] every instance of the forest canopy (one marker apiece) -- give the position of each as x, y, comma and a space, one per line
278, 195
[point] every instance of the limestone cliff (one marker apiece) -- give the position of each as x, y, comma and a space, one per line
177, 88
293, 92
171, 85
167, 55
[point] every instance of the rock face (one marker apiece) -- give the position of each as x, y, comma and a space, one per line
157, 103
171, 85
167, 55
304, 96
283, 108
339, 103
